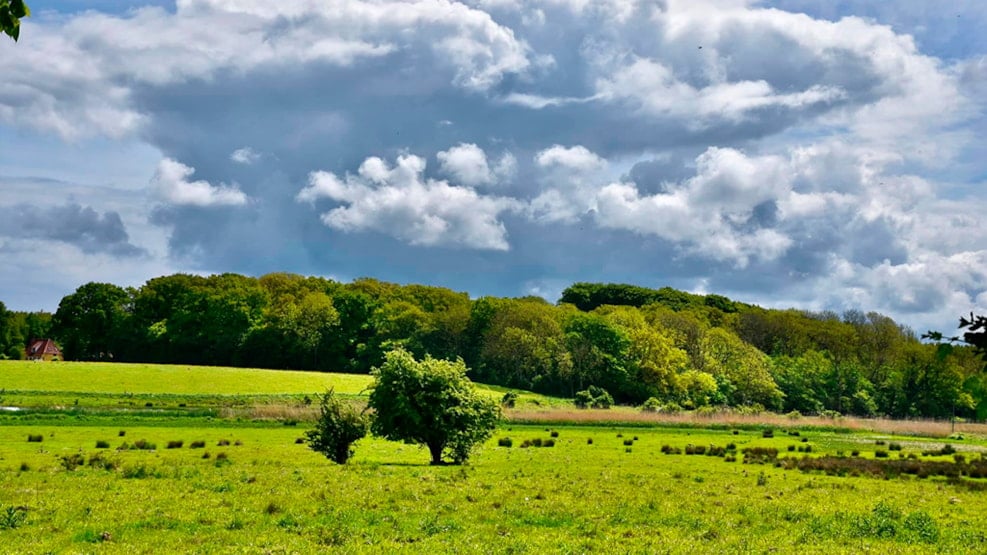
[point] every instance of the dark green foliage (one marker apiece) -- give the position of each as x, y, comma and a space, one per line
508, 400
71, 462
505, 442
175, 444
881, 454
768, 433
588, 296
338, 427
759, 454
946, 449
100, 444
431, 403
11, 13
101, 461
92, 322
537, 442
12, 517
680, 349
894, 447
593, 397
35, 438
197, 445
555, 433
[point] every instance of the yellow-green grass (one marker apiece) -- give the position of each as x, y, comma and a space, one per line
123, 378
274, 495
127, 385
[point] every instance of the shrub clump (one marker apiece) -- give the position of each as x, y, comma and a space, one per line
71, 462
505, 442
651, 405
35, 438
593, 397
100, 444
143, 445
759, 455
339, 426
175, 444
947, 449
509, 400
197, 445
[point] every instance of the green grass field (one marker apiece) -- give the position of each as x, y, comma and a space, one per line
121, 385
269, 494
245, 485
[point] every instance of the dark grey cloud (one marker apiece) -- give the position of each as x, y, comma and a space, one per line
82, 227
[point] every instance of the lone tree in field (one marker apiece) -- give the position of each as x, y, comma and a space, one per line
431, 403
338, 428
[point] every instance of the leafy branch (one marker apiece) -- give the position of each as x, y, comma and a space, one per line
11, 12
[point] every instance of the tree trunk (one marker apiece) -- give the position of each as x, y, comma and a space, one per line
436, 450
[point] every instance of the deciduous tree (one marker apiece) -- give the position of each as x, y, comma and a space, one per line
432, 403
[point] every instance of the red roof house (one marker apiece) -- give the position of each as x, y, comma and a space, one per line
43, 349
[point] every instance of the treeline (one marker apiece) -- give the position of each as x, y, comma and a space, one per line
17, 328
678, 349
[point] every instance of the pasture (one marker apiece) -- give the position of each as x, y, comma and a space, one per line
138, 482
164, 386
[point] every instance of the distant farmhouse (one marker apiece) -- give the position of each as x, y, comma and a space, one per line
43, 349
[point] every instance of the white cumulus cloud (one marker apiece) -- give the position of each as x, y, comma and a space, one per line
171, 184
467, 163
401, 202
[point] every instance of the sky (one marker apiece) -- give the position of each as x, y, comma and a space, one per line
817, 154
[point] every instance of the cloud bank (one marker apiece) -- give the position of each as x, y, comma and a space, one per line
785, 152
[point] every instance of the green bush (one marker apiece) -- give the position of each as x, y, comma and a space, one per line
339, 426
509, 400
71, 462
593, 397
651, 405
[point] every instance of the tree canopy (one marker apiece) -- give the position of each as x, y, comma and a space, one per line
678, 348
430, 402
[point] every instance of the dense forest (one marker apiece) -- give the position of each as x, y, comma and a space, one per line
676, 349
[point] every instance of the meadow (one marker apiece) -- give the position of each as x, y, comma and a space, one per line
139, 482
